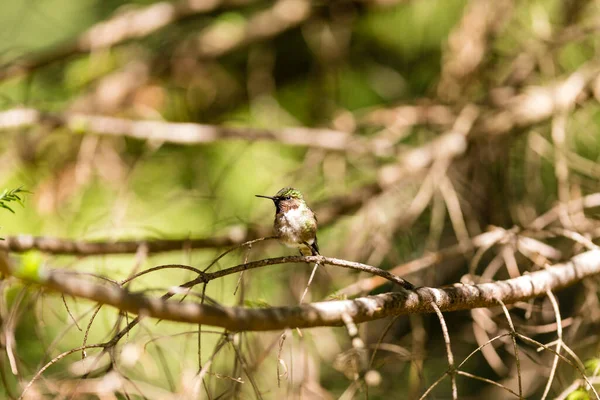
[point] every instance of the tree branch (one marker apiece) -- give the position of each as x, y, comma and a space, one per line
329, 313
52, 245
186, 133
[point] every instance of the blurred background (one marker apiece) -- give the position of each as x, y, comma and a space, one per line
448, 141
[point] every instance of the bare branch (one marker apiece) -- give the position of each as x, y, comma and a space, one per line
329, 313
184, 133
54, 245
220, 39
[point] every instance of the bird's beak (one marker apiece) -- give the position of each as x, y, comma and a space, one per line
266, 197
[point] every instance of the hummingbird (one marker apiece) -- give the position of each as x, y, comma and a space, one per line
295, 223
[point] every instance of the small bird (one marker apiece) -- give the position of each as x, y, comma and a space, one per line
295, 223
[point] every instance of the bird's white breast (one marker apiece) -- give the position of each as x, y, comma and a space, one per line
291, 231
296, 218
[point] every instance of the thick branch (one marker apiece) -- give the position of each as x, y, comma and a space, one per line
330, 313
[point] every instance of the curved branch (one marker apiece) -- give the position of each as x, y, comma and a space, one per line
329, 313
308, 259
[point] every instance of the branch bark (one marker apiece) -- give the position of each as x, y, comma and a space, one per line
329, 313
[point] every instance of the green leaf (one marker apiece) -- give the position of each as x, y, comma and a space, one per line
593, 364
578, 394
31, 266
14, 195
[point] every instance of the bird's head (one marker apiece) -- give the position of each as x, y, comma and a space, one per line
286, 199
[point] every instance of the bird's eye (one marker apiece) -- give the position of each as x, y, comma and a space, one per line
288, 198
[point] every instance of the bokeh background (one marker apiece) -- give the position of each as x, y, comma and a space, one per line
411, 126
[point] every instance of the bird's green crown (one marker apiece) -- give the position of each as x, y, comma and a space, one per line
289, 192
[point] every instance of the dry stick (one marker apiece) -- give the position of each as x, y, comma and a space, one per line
349, 393
486, 380
279, 359
158, 268
310, 259
186, 133
513, 335
481, 326
419, 337
52, 245
200, 339
454, 210
576, 237
451, 366
243, 363
69, 313
87, 331
370, 377
576, 366
157, 338
199, 378
141, 255
54, 361
488, 342
9, 334
589, 201
558, 344
433, 385
58, 337
240, 284
249, 244
312, 275
380, 340
568, 350
561, 167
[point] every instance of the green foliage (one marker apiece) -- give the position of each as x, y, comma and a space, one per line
14, 196
30, 268
578, 394
592, 365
